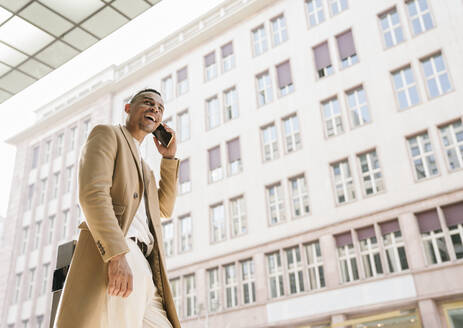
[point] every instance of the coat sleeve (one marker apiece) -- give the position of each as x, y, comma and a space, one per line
95, 180
167, 191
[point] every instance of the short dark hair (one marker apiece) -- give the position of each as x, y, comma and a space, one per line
142, 91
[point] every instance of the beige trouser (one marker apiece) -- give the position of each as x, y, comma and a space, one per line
143, 307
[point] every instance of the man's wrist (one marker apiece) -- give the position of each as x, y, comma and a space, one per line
168, 157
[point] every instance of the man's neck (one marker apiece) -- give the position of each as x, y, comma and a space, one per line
136, 133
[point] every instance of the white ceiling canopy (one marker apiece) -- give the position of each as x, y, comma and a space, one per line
37, 36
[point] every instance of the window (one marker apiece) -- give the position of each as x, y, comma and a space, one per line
358, 107
391, 28
175, 286
238, 216
59, 144
210, 66
218, 228
276, 204
315, 12
167, 87
182, 81
394, 246
35, 157
39, 321
186, 237
405, 87
337, 6
214, 289
343, 182
45, 277
371, 173
47, 156
38, 234
43, 191
65, 224
190, 295
72, 138
259, 40
55, 185
51, 228
168, 237
295, 270
183, 126
437, 78
292, 133
17, 289
347, 257
299, 196
230, 104
420, 16
264, 89
422, 156
279, 30
86, 129
435, 247
315, 273
453, 214
184, 176
231, 286
169, 121
30, 197
323, 60
369, 251
31, 283
332, 117
452, 140
69, 176
215, 164
247, 281
346, 48
275, 275
25, 239
269, 142
234, 157
213, 112
228, 57
454, 314
285, 81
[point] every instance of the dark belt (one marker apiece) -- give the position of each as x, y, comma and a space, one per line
143, 247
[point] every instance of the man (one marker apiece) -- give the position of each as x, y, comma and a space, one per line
117, 276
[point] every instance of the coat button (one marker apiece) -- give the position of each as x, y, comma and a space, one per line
135, 195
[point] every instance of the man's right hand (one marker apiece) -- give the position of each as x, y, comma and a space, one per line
120, 277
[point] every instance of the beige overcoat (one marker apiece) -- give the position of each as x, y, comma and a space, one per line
111, 182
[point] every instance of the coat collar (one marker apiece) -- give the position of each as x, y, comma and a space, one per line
133, 149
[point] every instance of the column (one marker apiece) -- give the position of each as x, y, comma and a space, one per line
330, 260
412, 240
429, 314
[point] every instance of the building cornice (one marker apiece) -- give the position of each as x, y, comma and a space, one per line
117, 77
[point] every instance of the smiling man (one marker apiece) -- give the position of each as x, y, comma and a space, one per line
117, 276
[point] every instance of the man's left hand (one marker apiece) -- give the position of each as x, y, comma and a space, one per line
167, 152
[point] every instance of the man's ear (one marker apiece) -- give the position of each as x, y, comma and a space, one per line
127, 108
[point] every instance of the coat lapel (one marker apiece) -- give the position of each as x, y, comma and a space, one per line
133, 149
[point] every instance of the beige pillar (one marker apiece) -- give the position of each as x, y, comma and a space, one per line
260, 277
429, 314
330, 260
412, 240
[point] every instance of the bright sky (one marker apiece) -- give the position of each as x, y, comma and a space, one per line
131, 39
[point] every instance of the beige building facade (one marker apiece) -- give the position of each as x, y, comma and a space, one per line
321, 180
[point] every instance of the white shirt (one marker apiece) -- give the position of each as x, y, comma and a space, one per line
139, 226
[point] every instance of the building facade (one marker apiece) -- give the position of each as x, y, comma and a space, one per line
321, 181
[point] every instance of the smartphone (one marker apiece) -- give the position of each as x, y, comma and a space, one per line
163, 136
